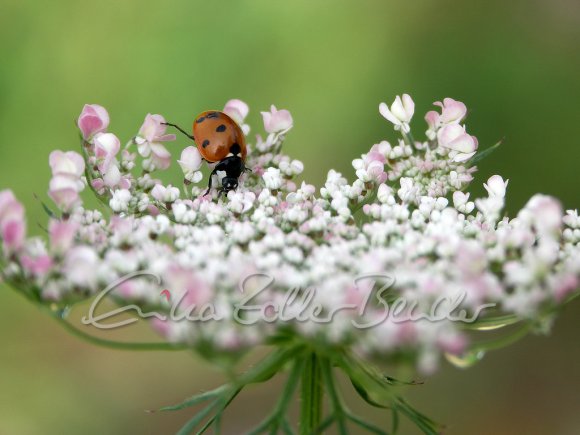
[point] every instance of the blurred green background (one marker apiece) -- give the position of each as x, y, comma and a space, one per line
515, 64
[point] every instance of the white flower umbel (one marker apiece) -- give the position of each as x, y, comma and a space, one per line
405, 218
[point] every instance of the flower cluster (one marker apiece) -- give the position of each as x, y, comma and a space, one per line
404, 220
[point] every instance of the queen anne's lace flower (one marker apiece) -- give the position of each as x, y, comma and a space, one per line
404, 213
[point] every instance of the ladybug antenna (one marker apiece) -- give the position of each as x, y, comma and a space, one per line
180, 129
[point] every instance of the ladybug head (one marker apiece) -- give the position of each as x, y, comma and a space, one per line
229, 183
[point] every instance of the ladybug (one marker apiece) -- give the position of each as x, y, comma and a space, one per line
220, 140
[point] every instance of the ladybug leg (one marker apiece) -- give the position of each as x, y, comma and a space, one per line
180, 129
210, 181
246, 169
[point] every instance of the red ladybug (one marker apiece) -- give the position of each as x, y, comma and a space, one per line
220, 139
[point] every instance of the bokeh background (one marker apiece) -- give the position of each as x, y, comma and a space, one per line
515, 63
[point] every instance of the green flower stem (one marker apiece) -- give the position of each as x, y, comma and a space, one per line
339, 412
278, 418
408, 138
119, 345
311, 396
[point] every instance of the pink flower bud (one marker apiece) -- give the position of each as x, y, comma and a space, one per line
190, 163
151, 134
107, 146
237, 110
62, 235
37, 266
546, 213
12, 225
160, 156
70, 163
432, 119
93, 119
112, 177
277, 121
10, 208
153, 129
454, 137
13, 233
452, 111
64, 191
65, 199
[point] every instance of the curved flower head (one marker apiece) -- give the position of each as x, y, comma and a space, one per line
400, 113
93, 119
204, 248
190, 163
277, 121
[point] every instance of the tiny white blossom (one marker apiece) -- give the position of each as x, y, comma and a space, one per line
165, 194
272, 178
461, 202
496, 186
120, 200
190, 164
400, 112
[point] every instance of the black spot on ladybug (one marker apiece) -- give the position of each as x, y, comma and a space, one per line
212, 115
235, 148
199, 120
205, 143
221, 128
